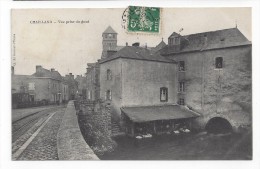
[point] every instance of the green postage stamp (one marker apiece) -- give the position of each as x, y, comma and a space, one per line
143, 19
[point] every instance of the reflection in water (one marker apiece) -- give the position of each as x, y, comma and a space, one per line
201, 146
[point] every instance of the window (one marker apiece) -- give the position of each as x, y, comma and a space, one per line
108, 95
176, 41
181, 101
109, 74
163, 94
219, 62
31, 86
181, 66
181, 86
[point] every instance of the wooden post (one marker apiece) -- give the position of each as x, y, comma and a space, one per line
133, 129
154, 127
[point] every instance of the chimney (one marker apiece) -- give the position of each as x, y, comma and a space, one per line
52, 69
71, 75
136, 44
38, 67
110, 53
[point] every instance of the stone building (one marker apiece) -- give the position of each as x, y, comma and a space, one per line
20, 83
44, 86
109, 47
205, 75
72, 86
141, 87
82, 86
93, 81
109, 42
214, 75
48, 85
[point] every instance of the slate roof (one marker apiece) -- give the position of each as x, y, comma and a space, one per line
119, 48
209, 40
47, 73
21, 77
161, 45
56, 75
174, 34
137, 53
110, 30
162, 112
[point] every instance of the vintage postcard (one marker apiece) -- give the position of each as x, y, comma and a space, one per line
133, 83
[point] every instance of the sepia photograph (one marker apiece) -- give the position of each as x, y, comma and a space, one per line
133, 83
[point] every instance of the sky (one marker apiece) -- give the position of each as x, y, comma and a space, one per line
69, 47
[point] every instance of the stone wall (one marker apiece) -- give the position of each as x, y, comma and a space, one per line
70, 143
114, 85
95, 123
137, 83
225, 92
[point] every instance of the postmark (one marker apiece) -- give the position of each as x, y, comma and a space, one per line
142, 19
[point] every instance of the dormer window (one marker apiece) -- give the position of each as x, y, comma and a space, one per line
177, 39
174, 40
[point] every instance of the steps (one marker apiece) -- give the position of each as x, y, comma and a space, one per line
115, 130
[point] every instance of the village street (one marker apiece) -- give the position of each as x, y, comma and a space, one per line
34, 133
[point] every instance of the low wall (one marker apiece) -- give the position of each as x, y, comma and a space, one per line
70, 142
95, 124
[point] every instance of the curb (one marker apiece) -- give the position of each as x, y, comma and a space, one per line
70, 142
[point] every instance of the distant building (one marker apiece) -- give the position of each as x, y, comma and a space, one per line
109, 42
20, 83
45, 86
93, 81
72, 85
82, 86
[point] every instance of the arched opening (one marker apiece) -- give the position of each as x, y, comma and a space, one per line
218, 125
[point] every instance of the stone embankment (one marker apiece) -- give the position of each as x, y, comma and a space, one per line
70, 142
95, 124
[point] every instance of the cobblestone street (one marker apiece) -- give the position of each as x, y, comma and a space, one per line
44, 145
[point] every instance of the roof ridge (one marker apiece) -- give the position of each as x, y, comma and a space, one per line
109, 29
212, 31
